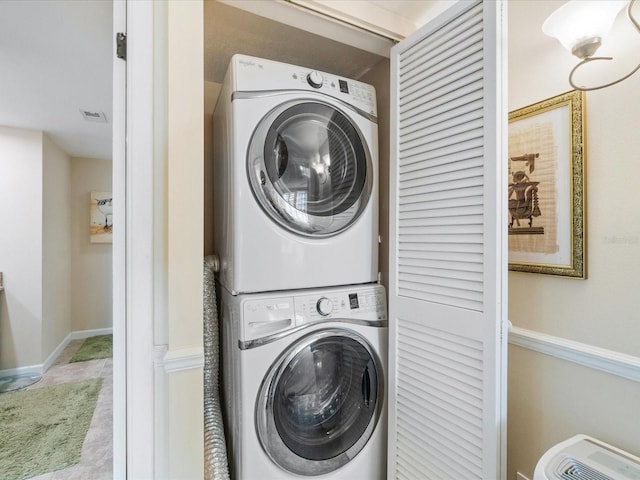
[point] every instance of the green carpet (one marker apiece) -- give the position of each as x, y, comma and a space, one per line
94, 348
43, 429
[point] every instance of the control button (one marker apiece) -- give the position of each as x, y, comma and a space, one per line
315, 79
324, 306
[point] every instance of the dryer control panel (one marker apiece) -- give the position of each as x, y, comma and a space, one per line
256, 74
265, 315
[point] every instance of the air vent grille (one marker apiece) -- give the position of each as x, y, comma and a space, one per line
572, 469
93, 116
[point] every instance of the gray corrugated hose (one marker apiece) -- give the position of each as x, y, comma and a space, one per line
215, 450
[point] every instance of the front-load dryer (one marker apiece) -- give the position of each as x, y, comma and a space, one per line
304, 383
295, 178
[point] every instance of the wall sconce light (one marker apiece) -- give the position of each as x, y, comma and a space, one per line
581, 25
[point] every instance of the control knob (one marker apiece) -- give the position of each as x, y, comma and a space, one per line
315, 79
324, 306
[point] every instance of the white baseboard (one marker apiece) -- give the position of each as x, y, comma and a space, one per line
609, 361
161, 412
79, 334
55, 354
39, 369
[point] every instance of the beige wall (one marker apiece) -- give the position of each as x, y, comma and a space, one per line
20, 247
185, 234
211, 92
91, 263
35, 309
551, 399
56, 247
56, 282
185, 172
379, 77
186, 438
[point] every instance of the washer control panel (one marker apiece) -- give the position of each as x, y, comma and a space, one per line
357, 304
271, 314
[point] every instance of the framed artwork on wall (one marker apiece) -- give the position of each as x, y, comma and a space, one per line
101, 222
546, 187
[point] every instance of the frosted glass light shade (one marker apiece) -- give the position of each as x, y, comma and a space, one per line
580, 25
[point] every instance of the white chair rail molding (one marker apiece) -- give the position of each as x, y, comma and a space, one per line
609, 361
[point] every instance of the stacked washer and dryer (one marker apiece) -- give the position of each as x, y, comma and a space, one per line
304, 325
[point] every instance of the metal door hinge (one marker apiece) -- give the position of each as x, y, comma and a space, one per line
121, 45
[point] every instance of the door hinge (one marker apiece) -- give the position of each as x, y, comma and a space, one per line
121, 45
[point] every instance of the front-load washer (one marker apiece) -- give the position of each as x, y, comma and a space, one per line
304, 383
295, 178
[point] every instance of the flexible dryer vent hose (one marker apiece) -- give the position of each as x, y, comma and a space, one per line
215, 450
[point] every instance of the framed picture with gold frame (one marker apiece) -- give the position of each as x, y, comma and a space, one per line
546, 187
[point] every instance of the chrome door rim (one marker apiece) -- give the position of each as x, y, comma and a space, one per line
266, 429
274, 205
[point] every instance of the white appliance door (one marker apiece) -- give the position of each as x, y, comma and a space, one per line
310, 168
447, 290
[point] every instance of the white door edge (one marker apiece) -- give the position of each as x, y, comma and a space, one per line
119, 253
133, 274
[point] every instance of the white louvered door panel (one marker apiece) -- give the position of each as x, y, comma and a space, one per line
447, 291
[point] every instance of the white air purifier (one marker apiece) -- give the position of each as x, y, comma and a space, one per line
583, 457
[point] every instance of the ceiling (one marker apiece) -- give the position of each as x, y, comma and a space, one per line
56, 58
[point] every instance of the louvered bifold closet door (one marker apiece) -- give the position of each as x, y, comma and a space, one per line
447, 255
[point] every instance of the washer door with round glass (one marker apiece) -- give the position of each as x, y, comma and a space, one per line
310, 168
320, 402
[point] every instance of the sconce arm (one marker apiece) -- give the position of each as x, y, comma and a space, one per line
631, 17
592, 59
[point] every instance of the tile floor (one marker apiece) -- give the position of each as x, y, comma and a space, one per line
96, 461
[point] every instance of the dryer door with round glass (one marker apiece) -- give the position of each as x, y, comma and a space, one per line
320, 402
310, 168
